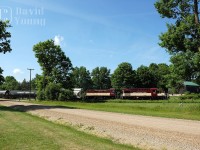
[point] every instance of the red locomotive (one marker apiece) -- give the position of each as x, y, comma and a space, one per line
106, 93
142, 93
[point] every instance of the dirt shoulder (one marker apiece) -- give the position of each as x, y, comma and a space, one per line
142, 131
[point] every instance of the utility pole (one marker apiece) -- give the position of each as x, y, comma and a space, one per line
30, 83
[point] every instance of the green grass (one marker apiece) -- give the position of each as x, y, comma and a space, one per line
19, 130
173, 108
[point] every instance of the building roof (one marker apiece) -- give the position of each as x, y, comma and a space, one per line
188, 83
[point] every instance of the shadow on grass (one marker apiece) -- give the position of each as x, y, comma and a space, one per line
4, 108
25, 108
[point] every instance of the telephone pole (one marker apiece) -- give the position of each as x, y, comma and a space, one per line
30, 83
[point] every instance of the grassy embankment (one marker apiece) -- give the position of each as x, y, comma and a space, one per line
19, 130
172, 108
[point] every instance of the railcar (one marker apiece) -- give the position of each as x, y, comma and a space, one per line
16, 94
141, 93
77, 93
103, 94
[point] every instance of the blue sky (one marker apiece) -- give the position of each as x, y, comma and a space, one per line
92, 33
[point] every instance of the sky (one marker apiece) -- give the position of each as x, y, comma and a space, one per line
92, 33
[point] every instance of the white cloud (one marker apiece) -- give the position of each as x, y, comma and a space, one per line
58, 39
17, 71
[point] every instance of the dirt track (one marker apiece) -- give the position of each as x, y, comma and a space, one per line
144, 132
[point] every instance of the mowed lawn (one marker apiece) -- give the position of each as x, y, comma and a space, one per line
21, 131
173, 108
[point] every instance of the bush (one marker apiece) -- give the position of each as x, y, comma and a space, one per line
52, 91
40, 95
191, 96
65, 94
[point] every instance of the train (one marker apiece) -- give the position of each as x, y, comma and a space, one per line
17, 94
125, 93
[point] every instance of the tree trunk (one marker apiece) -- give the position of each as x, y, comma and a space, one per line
196, 12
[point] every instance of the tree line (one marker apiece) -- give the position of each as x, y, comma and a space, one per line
181, 41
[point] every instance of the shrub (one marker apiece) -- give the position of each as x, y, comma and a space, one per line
52, 91
65, 94
40, 95
191, 96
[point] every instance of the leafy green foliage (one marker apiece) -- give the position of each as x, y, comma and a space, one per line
52, 91
55, 65
185, 67
175, 9
160, 74
40, 95
10, 83
24, 85
191, 96
4, 42
184, 34
4, 37
65, 95
101, 78
123, 76
39, 82
1, 77
81, 78
182, 39
145, 78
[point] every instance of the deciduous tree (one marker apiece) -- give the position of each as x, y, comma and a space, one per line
4, 37
81, 78
55, 65
145, 78
101, 78
123, 76
10, 83
4, 42
184, 34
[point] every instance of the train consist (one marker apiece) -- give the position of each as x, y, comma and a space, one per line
16, 94
126, 93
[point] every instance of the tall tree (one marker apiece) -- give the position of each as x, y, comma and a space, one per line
175, 80
163, 71
101, 78
4, 42
160, 73
10, 83
81, 78
24, 85
186, 65
4, 37
55, 65
1, 76
145, 78
184, 34
123, 76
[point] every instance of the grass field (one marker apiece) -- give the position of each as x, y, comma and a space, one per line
173, 108
19, 130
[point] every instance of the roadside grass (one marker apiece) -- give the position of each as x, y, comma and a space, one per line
19, 130
172, 108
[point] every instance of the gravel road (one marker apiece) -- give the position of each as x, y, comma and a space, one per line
141, 131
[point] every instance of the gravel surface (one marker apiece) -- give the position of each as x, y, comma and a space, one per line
141, 131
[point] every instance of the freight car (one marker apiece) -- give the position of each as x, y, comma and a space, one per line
16, 94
